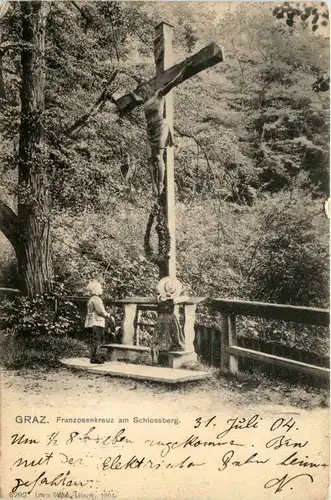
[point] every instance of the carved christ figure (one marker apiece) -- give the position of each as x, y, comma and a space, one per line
159, 135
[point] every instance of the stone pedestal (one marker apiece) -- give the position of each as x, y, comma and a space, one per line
189, 320
172, 359
129, 323
175, 359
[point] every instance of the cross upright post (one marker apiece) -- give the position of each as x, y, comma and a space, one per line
163, 61
166, 74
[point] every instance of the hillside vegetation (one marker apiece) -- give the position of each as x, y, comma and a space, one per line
251, 154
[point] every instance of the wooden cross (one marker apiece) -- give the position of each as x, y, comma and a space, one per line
165, 73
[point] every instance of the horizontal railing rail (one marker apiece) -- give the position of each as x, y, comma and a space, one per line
298, 314
230, 351
289, 364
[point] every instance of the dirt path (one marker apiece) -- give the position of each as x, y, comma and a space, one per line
62, 386
62, 394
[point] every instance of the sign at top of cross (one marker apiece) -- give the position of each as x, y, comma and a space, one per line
167, 77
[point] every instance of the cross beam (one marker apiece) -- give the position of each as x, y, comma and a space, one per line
205, 58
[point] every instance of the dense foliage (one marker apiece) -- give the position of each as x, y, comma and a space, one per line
318, 14
39, 330
252, 149
39, 315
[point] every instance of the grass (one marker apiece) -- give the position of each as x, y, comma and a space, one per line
20, 351
274, 389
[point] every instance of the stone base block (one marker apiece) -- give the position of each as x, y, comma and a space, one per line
175, 359
127, 352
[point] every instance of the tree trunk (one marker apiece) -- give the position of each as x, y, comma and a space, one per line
2, 83
3, 11
34, 246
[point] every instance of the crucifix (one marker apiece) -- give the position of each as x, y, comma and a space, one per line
160, 88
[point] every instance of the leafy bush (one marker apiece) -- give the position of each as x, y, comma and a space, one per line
287, 262
39, 315
310, 338
37, 330
107, 246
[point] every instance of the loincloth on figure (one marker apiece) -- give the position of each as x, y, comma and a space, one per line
159, 135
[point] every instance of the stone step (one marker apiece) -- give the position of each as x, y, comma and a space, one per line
127, 347
138, 372
130, 352
137, 348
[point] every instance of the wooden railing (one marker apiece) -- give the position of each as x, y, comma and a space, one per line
286, 344
229, 349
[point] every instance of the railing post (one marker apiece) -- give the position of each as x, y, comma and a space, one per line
228, 338
198, 338
233, 361
212, 340
136, 325
224, 364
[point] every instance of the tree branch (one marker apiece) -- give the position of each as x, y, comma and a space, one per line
198, 143
5, 46
105, 95
9, 224
85, 15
